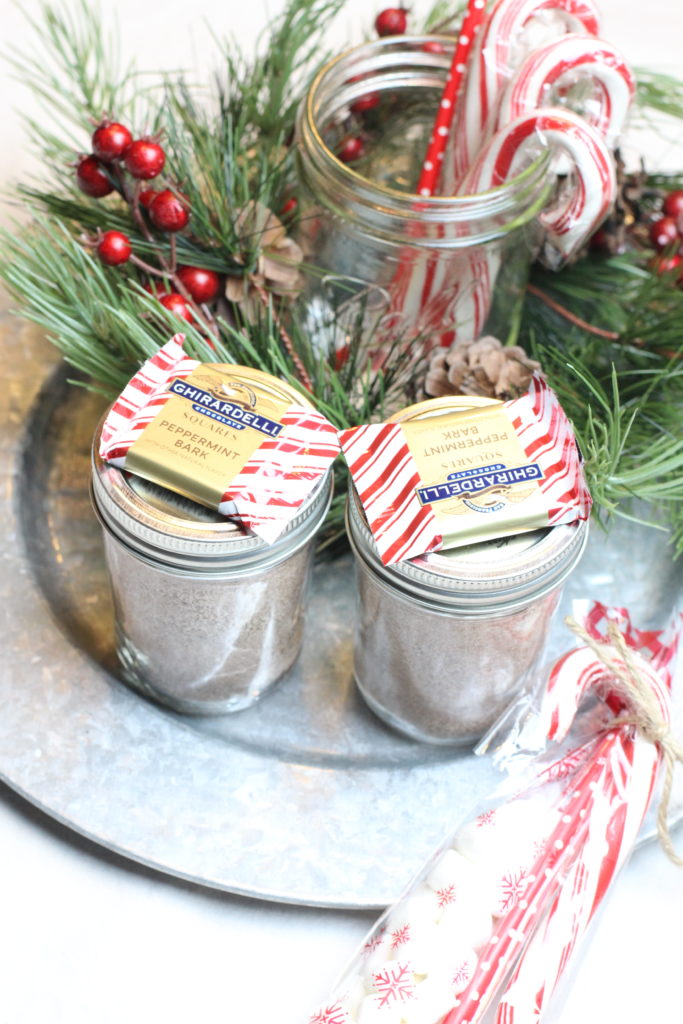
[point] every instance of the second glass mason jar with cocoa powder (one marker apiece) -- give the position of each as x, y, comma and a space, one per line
446, 641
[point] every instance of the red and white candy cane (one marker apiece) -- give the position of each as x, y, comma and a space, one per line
560, 64
499, 48
620, 803
514, 929
584, 203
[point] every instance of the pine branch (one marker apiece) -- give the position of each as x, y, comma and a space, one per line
260, 96
658, 92
232, 148
73, 69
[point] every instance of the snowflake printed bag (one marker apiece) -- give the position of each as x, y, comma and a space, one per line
485, 931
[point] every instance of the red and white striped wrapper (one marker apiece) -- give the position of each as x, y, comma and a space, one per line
498, 50
269, 490
385, 474
447, 952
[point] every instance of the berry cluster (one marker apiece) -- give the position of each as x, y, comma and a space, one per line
116, 158
666, 235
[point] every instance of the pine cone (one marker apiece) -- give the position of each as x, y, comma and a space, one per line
482, 367
626, 225
279, 259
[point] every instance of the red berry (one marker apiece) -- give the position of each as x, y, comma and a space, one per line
341, 357
168, 211
665, 264
146, 196
110, 140
176, 304
392, 21
368, 101
350, 149
289, 208
114, 248
202, 284
673, 205
432, 46
664, 232
144, 159
155, 288
92, 179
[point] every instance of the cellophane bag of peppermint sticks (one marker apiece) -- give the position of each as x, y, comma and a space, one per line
486, 930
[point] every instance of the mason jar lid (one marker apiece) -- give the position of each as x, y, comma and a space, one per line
170, 529
497, 575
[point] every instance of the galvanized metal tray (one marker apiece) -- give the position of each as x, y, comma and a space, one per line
304, 798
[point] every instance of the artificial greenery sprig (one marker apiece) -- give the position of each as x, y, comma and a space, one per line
607, 330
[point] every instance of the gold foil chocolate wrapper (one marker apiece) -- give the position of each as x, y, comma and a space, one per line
232, 438
472, 467
454, 471
209, 428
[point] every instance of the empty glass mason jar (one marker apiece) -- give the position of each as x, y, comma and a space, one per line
208, 617
446, 641
402, 264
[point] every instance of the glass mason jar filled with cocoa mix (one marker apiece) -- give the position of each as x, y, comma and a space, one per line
208, 615
446, 641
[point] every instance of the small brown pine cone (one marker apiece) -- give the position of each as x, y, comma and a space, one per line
483, 367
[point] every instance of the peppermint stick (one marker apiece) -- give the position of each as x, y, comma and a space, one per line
563, 62
643, 742
495, 55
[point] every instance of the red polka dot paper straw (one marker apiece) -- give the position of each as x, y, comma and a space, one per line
431, 168
413, 284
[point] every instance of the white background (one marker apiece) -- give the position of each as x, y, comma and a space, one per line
86, 937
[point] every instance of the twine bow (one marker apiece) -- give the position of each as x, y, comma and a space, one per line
645, 713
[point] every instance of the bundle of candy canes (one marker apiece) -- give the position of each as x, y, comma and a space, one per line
490, 925
517, 74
